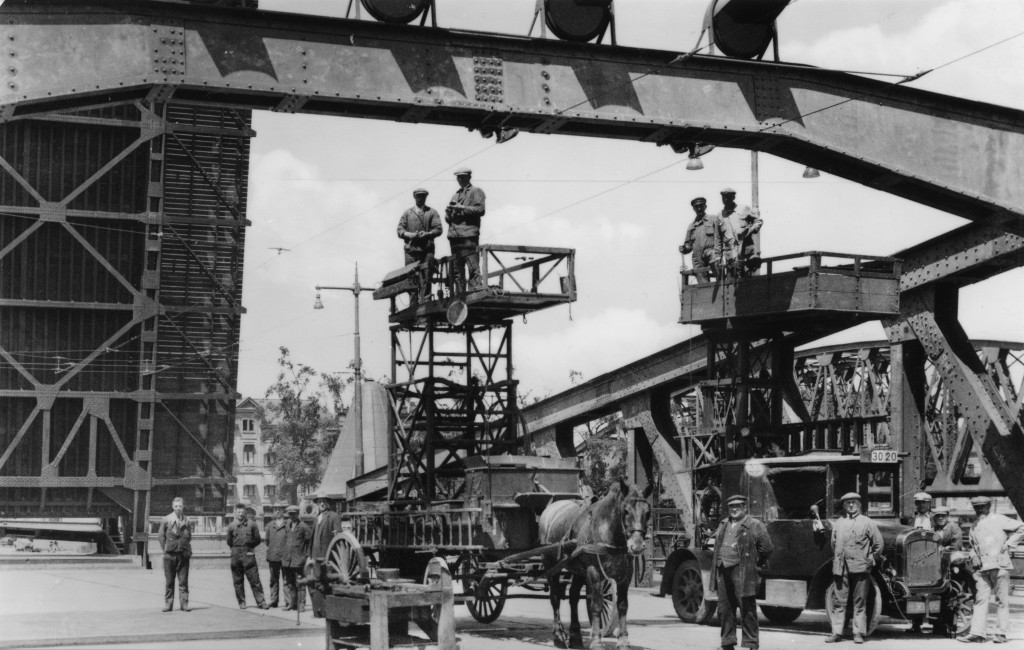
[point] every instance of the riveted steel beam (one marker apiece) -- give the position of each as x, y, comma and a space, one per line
955, 155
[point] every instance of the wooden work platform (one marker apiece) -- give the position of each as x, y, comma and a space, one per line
807, 289
517, 280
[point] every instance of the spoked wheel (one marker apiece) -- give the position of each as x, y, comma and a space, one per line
436, 573
345, 560
488, 593
873, 606
607, 607
688, 594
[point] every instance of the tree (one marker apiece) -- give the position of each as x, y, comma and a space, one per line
300, 420
602, 447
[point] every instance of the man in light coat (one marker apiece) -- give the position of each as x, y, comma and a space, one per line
857, 547
708, 238
992, 537
742, 548
176, 541
418, 227
745, 223
277, 534
463, 214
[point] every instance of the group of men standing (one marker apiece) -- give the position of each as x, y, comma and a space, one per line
727, 243
420, 225
290, 541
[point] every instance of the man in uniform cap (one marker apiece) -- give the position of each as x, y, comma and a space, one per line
463, 217
277, 535
922, 520
856, 544
707, 238
243, 537
992, 537
418, 227
294, 559
742, 548
327, 525
951, 539
746, 229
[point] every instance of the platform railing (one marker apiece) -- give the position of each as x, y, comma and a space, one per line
807, 262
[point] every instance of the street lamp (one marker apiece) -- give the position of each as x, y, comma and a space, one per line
357, 399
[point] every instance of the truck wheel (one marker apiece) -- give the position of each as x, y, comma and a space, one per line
873, 606
688, 594
781, 615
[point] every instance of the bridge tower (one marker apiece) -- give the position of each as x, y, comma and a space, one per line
453, 394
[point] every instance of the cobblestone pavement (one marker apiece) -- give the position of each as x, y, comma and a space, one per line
121, 609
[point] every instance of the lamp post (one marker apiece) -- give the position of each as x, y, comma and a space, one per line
357, 399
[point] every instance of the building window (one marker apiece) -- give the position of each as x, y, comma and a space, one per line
269, 491
248, 425
269, 459
249, 491
249, 455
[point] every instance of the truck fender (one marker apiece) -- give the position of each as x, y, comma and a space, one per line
818, 586
678, 557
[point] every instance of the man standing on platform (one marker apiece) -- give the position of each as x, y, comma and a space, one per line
707, 239
463, 218
746, 228
742, 547
992, 537
243, 538
418, 227
176, 540
856, 544
294, 560
277, 534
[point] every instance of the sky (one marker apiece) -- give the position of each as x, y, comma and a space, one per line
332, 189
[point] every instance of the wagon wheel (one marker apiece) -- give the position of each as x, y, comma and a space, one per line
488, 594
608, 607
437, 572
345, 560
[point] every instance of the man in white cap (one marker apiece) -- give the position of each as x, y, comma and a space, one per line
463, 214
746, 225
418, 227
922, 520
742, 548
857, 545
992, 537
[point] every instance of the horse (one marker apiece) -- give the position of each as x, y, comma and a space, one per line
595, 543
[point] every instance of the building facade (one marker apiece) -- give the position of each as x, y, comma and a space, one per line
255, 484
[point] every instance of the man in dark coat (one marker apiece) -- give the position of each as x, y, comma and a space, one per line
463, 218
176, 540
277, 534
243, 538
742, 547
293, 560
418, 227
326, 525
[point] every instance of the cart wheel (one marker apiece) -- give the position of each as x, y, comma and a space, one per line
608, 608
488, 594
437, 571
345, 560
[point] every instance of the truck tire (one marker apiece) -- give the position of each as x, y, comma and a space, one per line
688, 594
781, 615
873, 606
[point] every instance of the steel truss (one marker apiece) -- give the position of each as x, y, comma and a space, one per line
454, 397
121, 242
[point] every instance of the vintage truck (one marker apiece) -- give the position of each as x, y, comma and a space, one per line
796, 497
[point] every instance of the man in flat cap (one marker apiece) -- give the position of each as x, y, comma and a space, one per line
746, 229
418, 227
326, 525
277, 534
742, 548
951, 539
857, 546
242, 538
296, 550
707, 239
992, 537
463, 217
923, 520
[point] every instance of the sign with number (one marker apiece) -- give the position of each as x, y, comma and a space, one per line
879, 456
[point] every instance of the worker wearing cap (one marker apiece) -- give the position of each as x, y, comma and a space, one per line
296, 550
463, 217
857, 545
951, 539
707, 239
277, 534
326, 525
746, 229
418, 227
922, 520
742, 548
242, 538
992, 537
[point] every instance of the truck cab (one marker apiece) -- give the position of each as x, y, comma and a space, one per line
797, 498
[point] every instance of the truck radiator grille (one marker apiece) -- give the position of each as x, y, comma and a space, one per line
922, 562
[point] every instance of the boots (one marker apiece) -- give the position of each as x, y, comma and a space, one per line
168, 605
184, 606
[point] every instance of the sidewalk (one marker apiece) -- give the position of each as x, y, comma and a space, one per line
62, 607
